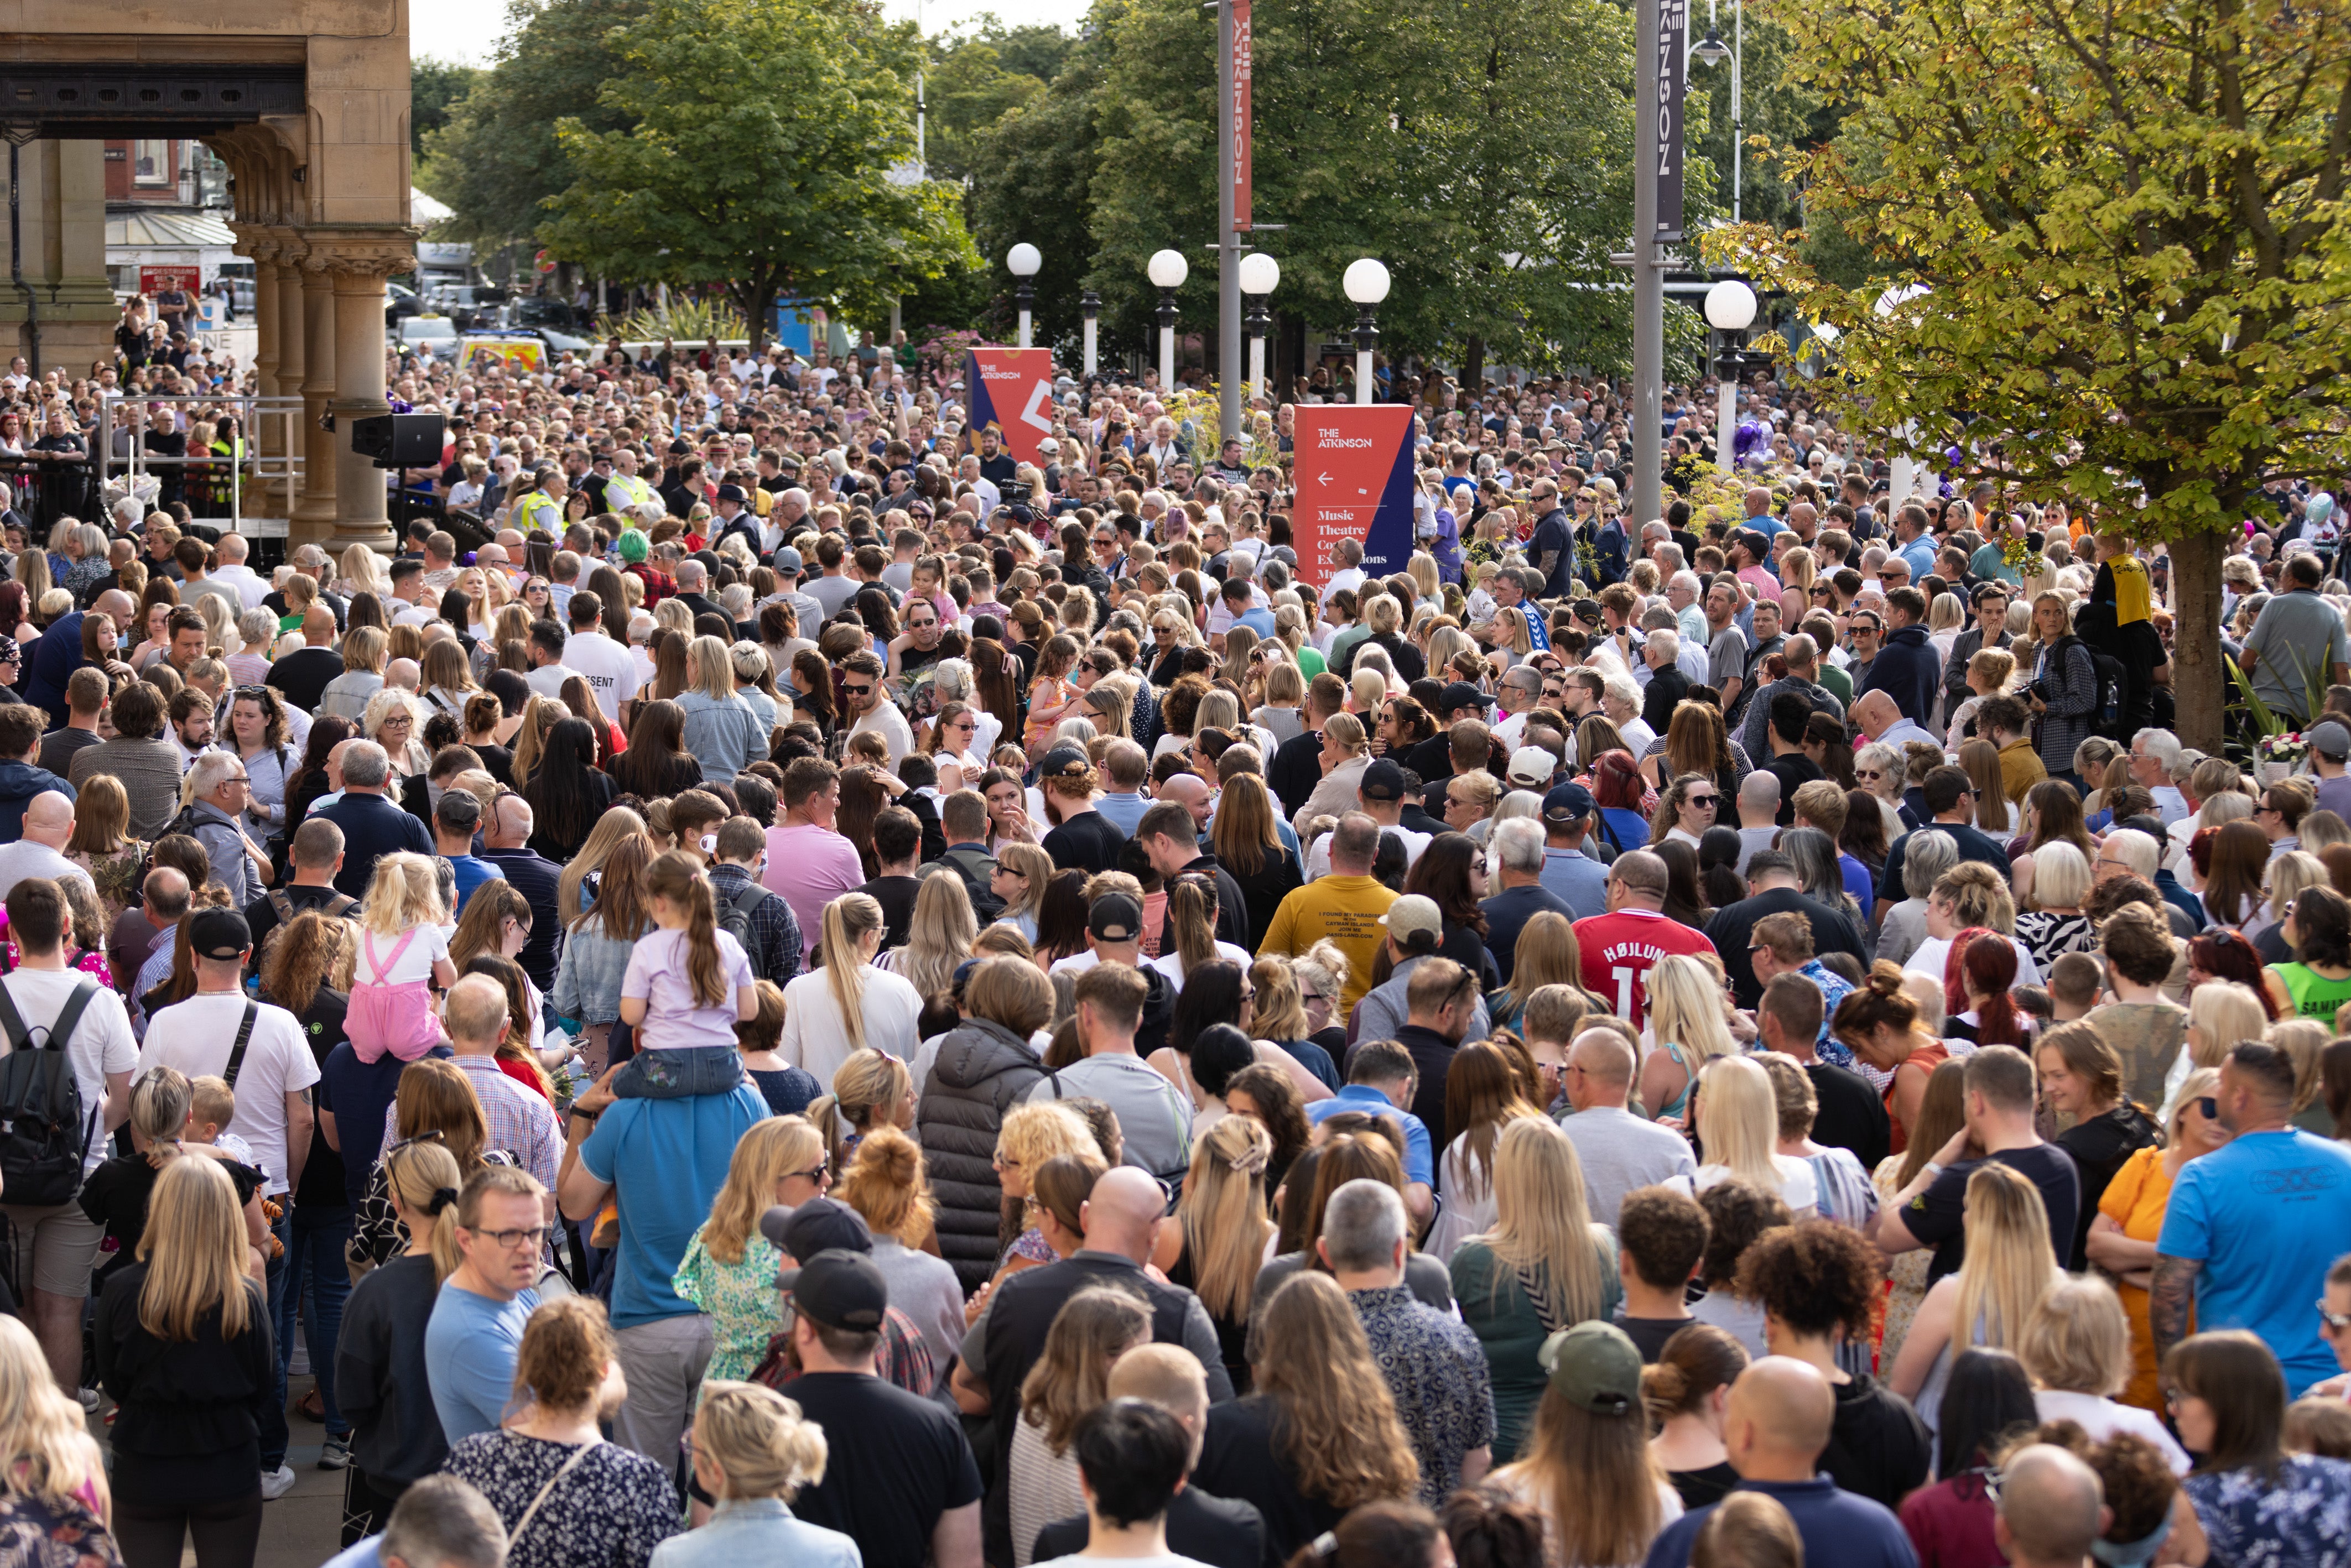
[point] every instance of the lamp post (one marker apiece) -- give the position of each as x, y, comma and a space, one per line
1712, 50
1023, 261
1903, 477
1365, 283
1729, 310
1167, 269
1089, 308
1260, 275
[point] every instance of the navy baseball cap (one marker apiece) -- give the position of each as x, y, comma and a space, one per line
1568, 803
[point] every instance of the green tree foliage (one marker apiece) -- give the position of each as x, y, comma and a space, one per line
769, 153
974, 80
2130, 217
495, 159
1034, 178
434, 88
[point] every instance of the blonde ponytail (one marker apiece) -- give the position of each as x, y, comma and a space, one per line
848, 921
1192, 908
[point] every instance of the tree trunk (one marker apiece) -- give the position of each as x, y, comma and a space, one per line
1473, 364
2199, 680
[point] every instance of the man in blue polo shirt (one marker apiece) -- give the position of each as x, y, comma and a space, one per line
1778, 1421
1381, 1079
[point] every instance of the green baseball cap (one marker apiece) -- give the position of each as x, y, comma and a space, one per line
1594, 1367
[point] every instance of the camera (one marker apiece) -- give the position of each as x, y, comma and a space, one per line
1015, 492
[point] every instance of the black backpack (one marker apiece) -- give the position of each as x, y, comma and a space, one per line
2107, 714
43, 1134
735, 919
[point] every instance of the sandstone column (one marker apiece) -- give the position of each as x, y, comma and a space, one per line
357, 261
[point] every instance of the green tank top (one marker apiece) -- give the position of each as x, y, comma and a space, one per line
2314, 996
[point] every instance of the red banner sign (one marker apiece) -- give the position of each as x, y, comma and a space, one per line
154, 279
1243, 48
1012, 392
1354, 481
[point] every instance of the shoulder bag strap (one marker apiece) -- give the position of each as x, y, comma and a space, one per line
532, 1512
19, 1036
243, 1037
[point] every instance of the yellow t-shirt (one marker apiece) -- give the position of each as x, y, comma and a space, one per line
1346, 910
2133, 594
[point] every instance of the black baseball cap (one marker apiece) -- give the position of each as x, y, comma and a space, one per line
1382, 780
820, 1224
839, 1290
1462, 695
219, 933
1064, 762
1586, 610
1115, 917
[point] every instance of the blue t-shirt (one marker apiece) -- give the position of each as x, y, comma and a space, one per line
470, 1347
1419, 1163
472, 872
1857, 884
1552, 534
666, 1160
1837, 1527
2267, 1213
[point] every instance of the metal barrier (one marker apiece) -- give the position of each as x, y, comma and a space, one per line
274, 466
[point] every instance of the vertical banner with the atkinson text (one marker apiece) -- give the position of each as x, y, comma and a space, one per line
1243, 48
1354, 481
1012, 391
1673, 75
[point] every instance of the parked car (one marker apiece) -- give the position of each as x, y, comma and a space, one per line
471, 306
436, 330
400, 303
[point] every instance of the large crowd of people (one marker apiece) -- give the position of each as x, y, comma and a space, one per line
772, 974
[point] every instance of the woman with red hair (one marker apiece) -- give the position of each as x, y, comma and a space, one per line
2227, 956
1619, 789
1977, 976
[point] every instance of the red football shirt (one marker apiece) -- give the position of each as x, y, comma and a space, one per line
1619, 950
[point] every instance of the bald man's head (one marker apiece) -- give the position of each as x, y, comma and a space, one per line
1877, 714
49, 820
1169, 1376
1778, 1420
2052, 1508
1122, 1213
1599, 1069
118, 607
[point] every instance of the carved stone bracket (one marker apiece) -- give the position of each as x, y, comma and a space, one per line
369, 252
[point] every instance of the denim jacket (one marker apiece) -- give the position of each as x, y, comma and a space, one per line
727, 736
588, 986
758, 1530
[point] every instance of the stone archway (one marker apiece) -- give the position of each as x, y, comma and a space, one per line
307, 101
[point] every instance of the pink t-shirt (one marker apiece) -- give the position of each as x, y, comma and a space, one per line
675, 1018
810, 866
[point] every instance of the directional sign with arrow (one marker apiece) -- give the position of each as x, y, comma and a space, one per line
1354, 466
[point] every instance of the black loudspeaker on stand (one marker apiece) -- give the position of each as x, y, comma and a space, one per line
401, 442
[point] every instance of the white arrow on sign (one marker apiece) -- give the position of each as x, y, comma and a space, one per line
1323, 478
1039, 393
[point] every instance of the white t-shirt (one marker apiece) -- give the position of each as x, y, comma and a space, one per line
891, 725
101, 1043
196, 1036
431, 945
1165, 1560
548, 679
606, 666
1171, 964
2102, 1418
1318, 858
1798, 1190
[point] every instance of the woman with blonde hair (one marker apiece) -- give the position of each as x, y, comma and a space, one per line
2009, 1266
598, 940
729, 1268
1224, 1232
1739, 1126
1244, 834
2131, 1211
1980, 760
1321, 1436
436, 1103
101, 844
565, 1495
1548, 954
1602, 1491
365, 649
55, 1478
1023, 873
851, 1004
2077, 1348
1031, 1135
1346, 754
1686, 1020
722, 729
1091, 1331
382, 1386
753, 1453
871, 1090
888, 1183
187, 1317
1482, 1097
1544, 1265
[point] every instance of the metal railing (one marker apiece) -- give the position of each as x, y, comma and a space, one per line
273, 466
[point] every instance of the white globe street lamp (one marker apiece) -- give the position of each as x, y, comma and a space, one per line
1729, 310
1167, 269
1022, 261
1366, 283
1261, 276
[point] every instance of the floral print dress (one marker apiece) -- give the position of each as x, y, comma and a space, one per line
745, 1311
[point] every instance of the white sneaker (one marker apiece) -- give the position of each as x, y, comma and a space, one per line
277, 1483
89, 1401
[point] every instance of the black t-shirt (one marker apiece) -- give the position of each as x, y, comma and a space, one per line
322, 1172
116, 1193
1238, 1459
894, 1464
58, 748
1649, 1334
895, 894
1795, 770
1701, 1489
1851, 1115
1879, 1448
2098, 1147
1936, 1216
1089, 842
302, 675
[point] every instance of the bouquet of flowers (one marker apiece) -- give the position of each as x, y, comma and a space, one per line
2291, 749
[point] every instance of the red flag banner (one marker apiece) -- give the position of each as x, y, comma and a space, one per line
1354, 481
1012, 391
